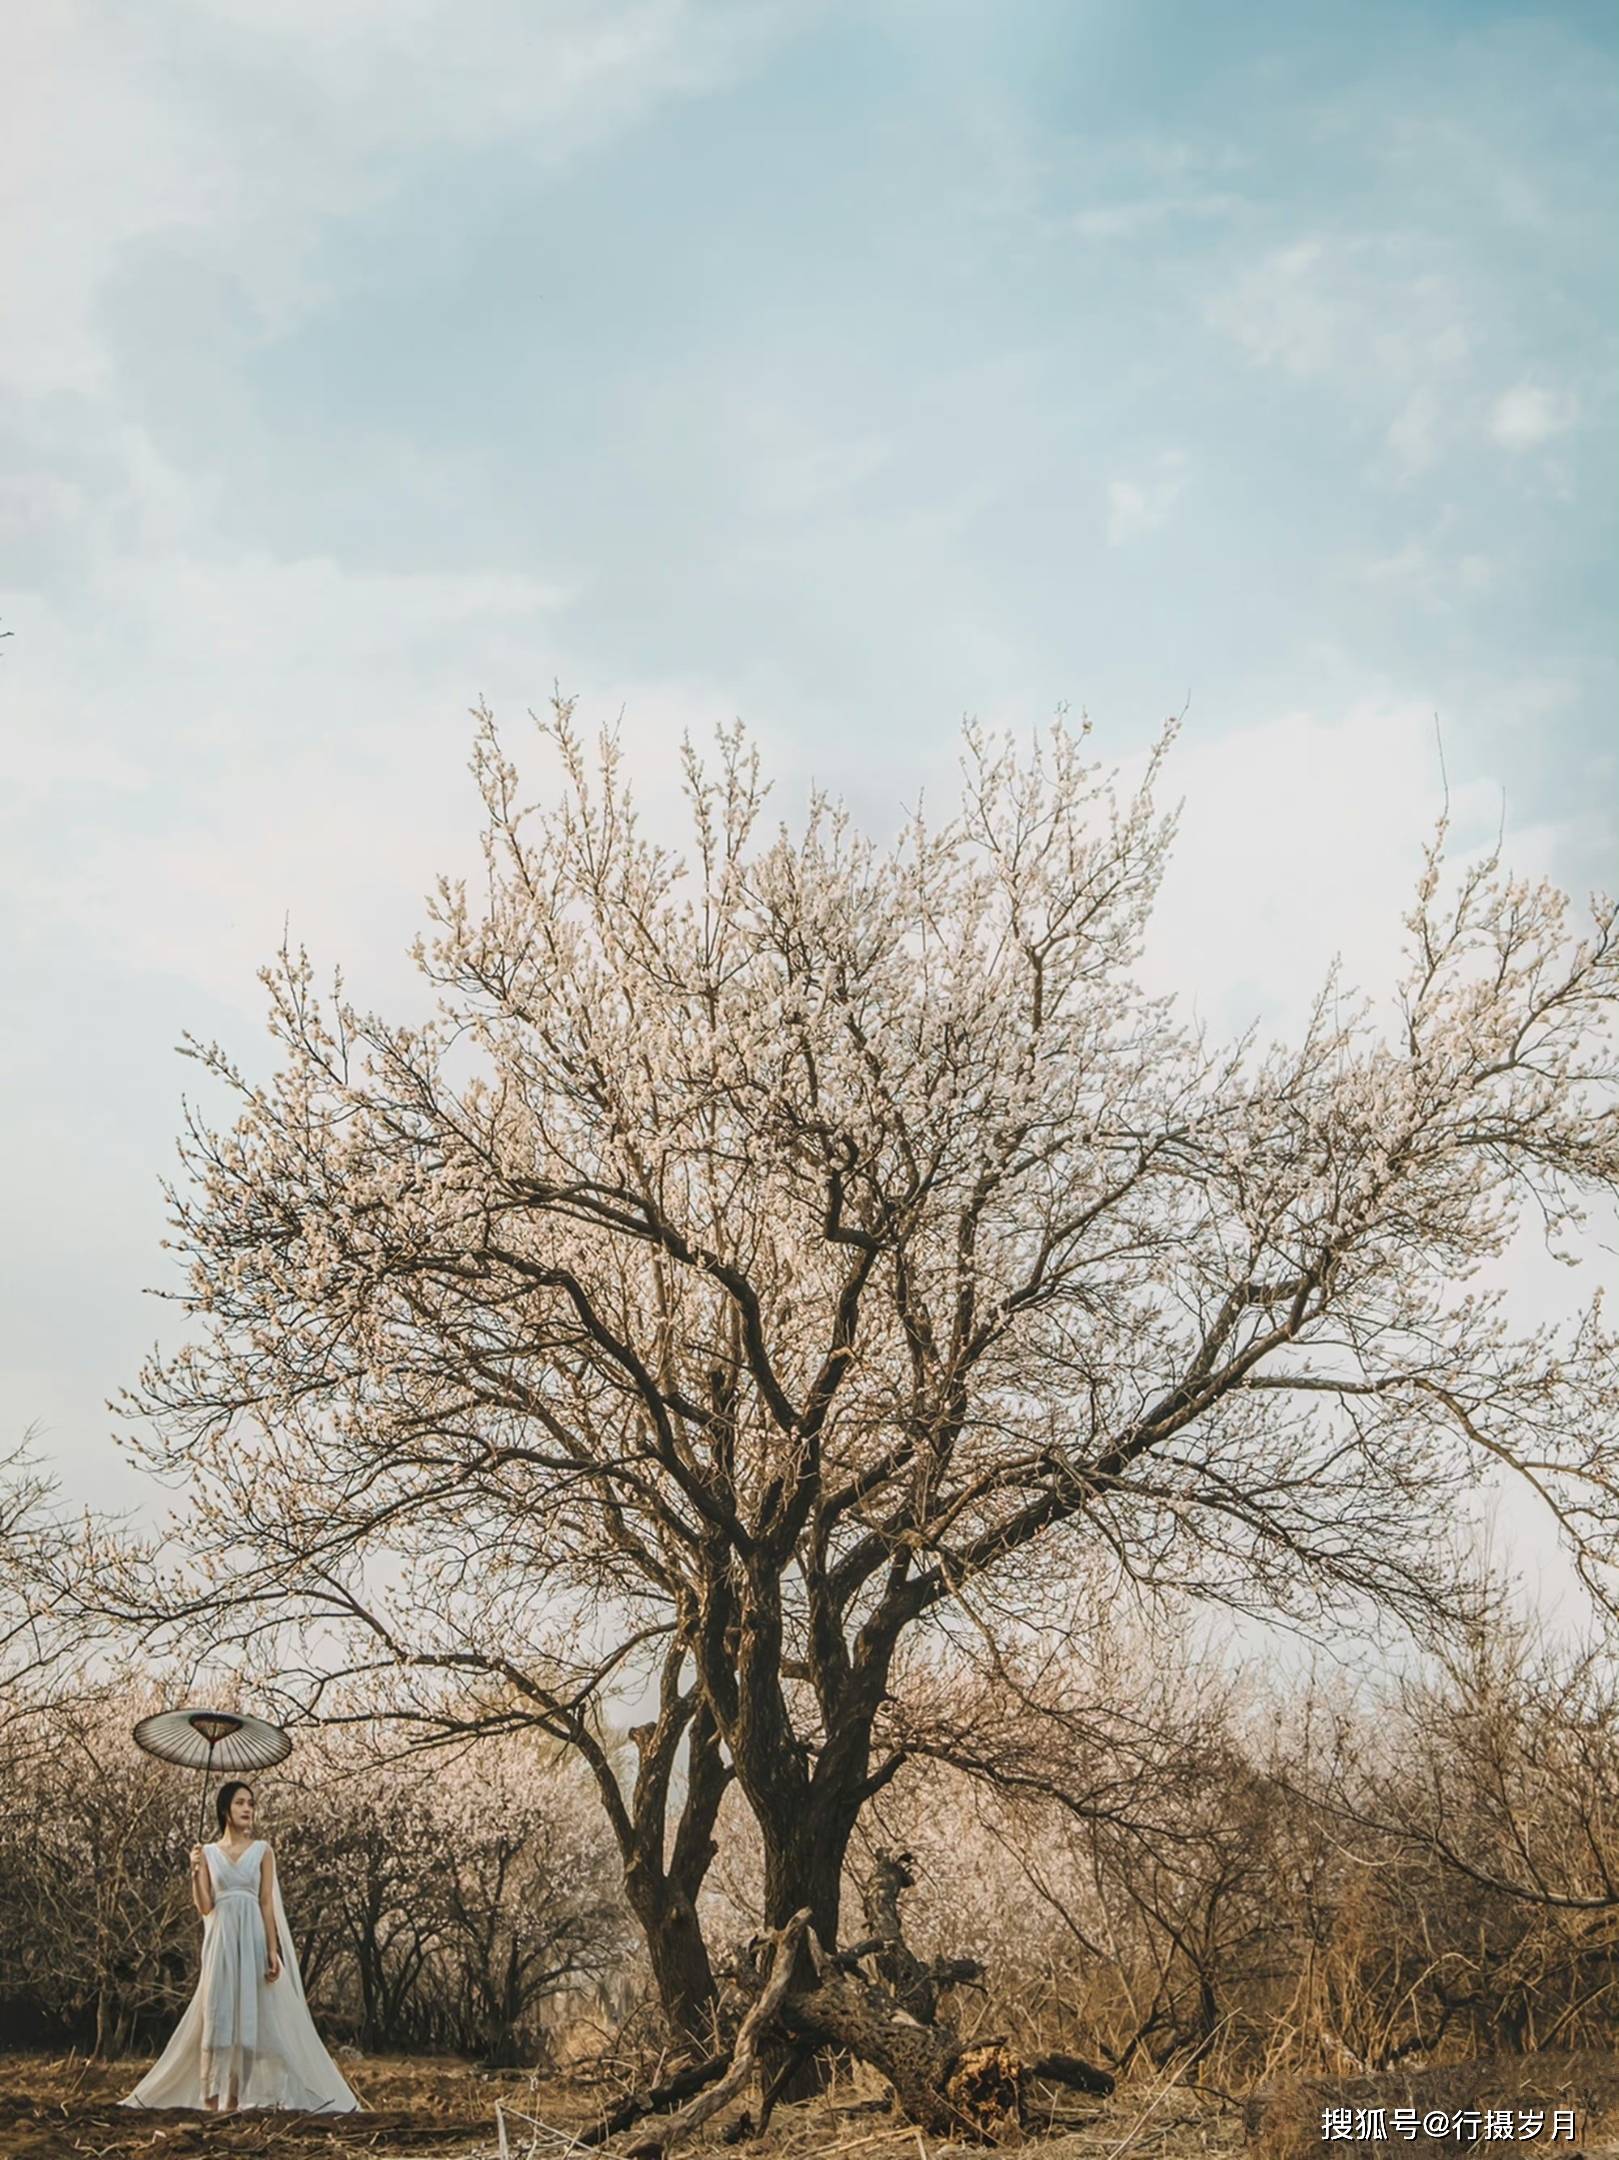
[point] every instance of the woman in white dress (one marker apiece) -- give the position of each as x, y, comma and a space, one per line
247, 2039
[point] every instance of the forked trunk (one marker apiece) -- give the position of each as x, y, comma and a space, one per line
681, 1968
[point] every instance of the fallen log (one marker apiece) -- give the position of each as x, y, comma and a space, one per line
945, 2085
844, 2010
654, 2098
896, 2022
1070, 2070
744, 2055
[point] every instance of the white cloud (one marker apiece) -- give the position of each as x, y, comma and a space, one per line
244, 736
33, 504
1301, 837
33, 768
1407, 566
1421, 571
1526, 416
1413, 433
1371, 318
797, 462
111, 141
1285, 311
248, 739
1138, 507
1131, 219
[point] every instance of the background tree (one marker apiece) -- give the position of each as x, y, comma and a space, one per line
44, 1649
760, 1262
93, 1895
532, 1909
455, 1905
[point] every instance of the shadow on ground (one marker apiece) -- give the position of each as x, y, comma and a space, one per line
51, 2109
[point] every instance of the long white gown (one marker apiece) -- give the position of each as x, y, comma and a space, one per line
241, 2032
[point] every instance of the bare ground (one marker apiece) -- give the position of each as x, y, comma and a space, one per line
61, 2109
52, 2108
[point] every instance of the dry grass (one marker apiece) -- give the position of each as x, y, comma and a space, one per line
51, 2108
56, 2109
1286, 2121
1153, 2118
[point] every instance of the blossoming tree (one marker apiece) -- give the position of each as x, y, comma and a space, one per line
768, 1261
45, 1650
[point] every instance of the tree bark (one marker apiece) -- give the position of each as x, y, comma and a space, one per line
670, 2093
744, 2055
803, 1873
662, 1877
894, 2023
681, 1968
804, 1869
842, 2010
948, 2088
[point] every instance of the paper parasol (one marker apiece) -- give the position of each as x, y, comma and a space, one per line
210, 1740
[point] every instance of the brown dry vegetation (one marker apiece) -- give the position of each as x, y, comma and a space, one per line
1213, 1899
52, 2107
1287, 2122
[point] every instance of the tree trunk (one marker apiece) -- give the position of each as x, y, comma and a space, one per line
804, 1868
803, 1872
123, 2033
500, 2050
679, 1956
744, 2053
662, 1876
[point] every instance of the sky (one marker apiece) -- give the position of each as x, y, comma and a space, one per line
850, 366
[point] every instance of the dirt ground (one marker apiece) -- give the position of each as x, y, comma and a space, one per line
60, 2109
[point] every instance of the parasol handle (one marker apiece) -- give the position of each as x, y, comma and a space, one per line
202, 1797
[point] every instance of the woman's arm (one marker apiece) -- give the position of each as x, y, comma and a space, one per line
272, 1961
202, 1886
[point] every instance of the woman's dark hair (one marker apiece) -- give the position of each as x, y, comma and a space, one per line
223, 1798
